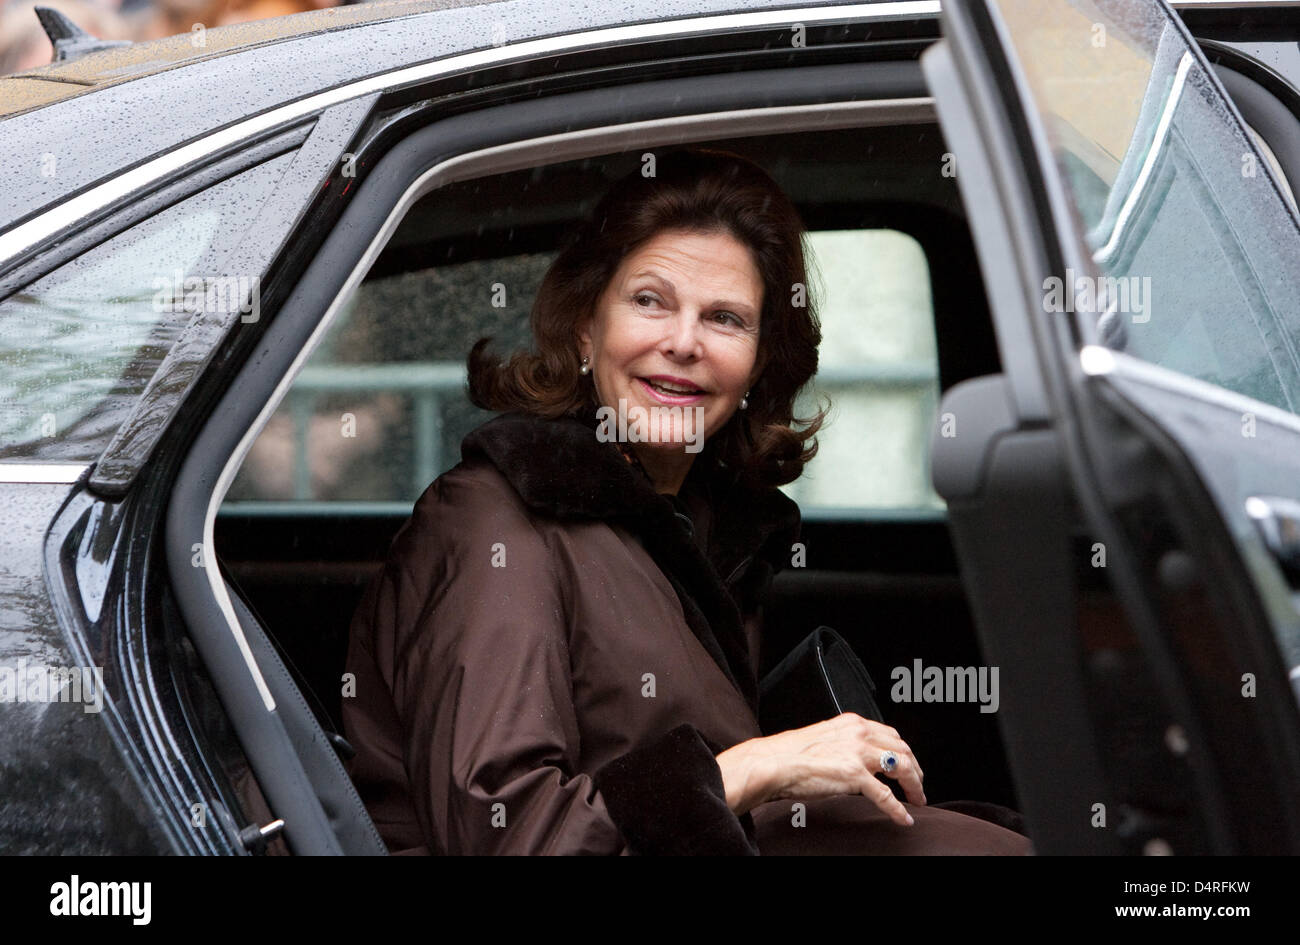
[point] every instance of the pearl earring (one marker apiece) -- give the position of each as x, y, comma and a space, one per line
586, 368
744, 401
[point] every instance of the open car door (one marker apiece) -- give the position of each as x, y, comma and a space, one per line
1125, 496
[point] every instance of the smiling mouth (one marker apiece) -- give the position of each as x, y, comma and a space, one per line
670, 388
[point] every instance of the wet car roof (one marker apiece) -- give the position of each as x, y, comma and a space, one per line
62, 79
149, 98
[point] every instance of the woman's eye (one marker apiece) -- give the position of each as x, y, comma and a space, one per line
729, 316
649, 299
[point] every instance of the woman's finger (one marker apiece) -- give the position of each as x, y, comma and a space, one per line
899, 747
880, 794
904, 771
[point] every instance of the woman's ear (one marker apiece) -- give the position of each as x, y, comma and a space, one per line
759, 364
584, 339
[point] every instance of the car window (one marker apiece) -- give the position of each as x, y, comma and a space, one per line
878, 365
380, 409
1194, 241
79, 345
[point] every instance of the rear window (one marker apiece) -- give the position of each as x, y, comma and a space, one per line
79, 345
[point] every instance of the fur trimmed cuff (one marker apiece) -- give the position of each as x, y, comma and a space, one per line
667, 799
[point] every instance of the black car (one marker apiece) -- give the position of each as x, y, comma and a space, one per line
240, 270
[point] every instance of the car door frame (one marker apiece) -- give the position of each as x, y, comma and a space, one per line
1026, 608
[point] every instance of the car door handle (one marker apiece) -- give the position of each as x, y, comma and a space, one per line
1278, 521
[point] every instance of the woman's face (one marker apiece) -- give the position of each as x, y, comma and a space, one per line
677, 326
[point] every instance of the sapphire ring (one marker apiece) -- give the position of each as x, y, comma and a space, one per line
888, 762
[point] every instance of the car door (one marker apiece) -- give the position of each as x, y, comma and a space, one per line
103, 330
1123, 496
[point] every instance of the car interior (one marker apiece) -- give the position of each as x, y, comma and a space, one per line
309, 520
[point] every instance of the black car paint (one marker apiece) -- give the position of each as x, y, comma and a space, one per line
65, 783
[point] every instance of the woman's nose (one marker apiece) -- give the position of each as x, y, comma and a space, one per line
682, 339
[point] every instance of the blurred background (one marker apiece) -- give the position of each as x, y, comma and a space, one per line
23, 44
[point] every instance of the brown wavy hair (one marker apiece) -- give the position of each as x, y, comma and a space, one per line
701, 190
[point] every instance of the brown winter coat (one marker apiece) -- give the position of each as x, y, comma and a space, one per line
550, 660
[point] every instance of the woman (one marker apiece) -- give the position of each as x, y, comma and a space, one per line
559, 655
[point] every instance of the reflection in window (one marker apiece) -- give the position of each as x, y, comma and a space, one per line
1197, 250
78, 346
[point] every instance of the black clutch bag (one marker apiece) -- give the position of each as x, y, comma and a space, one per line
821, 678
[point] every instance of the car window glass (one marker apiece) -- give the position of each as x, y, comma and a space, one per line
79, 345
878, 365
1195, 244
380, 408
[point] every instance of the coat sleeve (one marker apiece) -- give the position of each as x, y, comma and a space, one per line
482, 685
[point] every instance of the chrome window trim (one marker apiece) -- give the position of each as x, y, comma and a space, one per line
516, 155
1149, 160
49, 473
20, 239
1100, 361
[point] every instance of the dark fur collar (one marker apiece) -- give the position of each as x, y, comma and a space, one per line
561, 470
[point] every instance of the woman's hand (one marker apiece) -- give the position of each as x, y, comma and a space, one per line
837, 756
